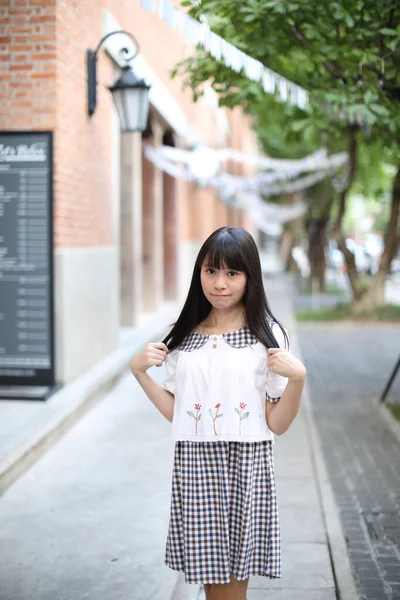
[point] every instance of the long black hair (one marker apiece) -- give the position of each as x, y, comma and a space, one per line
235, 247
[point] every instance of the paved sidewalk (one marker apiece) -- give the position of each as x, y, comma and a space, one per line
348, 366
89, 519
28, 429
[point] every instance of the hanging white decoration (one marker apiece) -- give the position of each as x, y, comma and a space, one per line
269, 217
299, 184
265, 183
200, 33
316, 160
203, 163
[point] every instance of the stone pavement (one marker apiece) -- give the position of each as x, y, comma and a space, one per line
348, 366
88, 520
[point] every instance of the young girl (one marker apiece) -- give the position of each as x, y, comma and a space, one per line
231, 383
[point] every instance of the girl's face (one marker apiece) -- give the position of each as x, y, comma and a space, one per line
223, 288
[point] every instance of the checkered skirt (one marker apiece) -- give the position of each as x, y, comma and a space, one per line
224, 514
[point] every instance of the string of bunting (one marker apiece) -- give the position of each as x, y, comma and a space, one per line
312, 162
268, 216
272, 83
269, 184
200, 33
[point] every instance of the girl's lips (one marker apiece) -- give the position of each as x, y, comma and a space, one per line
220, 295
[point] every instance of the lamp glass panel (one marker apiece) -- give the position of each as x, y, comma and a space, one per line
119, 105
132, 108
132, 105
137, 107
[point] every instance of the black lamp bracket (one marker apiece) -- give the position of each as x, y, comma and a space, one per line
91, 62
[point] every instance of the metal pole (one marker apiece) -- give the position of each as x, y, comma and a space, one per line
389, 383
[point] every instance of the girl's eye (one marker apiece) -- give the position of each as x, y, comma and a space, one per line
229, 272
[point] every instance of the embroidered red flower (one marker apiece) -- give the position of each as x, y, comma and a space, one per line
196, 416
241, 414
215, 417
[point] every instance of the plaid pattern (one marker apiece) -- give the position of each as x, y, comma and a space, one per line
238, 339
273, 400
224, 514
193, 341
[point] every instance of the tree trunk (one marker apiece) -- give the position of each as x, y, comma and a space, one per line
337, 228
291, 239
375, 295
316, 251
316, 231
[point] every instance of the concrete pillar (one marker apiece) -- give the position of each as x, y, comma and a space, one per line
153, 235
131, 228
170, 237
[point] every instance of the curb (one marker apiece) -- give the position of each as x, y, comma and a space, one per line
344, 581
391, 422
74, 400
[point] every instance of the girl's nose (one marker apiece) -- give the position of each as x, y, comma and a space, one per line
220, 283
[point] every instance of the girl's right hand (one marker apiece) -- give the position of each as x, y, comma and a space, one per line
152, 354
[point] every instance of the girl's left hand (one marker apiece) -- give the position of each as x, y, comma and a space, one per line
282, 362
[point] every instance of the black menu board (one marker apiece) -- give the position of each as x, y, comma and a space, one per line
26, 259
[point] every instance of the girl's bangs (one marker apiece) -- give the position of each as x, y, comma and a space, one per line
224, 252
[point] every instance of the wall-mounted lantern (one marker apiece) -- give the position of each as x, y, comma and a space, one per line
130, 94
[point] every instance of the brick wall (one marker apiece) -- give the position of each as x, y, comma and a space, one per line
27, 64
43, 86
42, 78
83, 207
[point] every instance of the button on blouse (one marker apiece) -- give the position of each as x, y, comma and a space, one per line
220, 384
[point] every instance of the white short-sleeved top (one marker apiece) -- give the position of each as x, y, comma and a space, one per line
220, 384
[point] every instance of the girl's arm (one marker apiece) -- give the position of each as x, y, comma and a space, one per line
281, 414
154, 354
160, 397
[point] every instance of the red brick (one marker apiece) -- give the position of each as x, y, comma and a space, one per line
44, 56
14, 13
25, 67
43, 75
19, 28
5, 39
43, 38
20, 84
20, 48
43, 19
21, 104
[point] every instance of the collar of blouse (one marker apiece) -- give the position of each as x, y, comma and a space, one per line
237, 339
